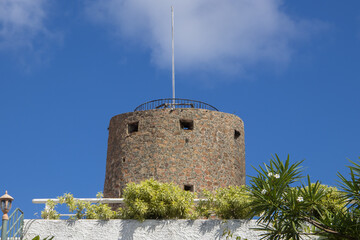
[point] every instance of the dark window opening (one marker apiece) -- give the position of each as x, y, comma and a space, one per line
189, 188
187, 124
123, 159
236, 134
133, 127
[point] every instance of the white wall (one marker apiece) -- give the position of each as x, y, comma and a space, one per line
132, 229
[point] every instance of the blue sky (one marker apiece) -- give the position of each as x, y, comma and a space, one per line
289, 69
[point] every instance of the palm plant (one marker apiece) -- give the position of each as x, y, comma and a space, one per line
291, 212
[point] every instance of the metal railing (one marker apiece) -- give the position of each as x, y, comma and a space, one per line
15, 224
174, 103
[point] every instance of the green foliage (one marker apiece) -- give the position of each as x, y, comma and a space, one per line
86, 210
79, 207
153, 200
322, 198
232, 202
50, 212
288, 212
347, 223
82, 209
47, 238
205, 207
351, 187
284, 211
228, 234
273, 198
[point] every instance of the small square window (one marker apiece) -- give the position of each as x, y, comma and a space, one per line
187, 124
236, 134
189, 188
133, 127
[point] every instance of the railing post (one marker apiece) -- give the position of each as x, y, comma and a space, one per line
4, 229
47, 210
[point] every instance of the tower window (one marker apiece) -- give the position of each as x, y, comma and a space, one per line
189, 188
236, 134
133, 127
187, 124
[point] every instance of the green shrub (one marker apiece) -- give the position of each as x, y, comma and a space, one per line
101, 211
332, 200
232, 202
86, 210
205, 207
82, 209
153, 200
50, 212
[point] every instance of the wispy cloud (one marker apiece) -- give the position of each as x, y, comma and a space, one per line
224, 35
24, 32
20, 22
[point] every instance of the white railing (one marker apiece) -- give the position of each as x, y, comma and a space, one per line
90, 200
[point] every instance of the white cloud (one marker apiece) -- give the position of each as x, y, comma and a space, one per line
21, 21
226, 35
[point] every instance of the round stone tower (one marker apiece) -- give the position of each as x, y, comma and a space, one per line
186, 142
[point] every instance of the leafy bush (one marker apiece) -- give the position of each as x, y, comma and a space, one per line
82, 209
153, 200
205, 207
233, 202
331, 200
86, 210
50, 212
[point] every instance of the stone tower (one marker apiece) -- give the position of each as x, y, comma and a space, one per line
186, 142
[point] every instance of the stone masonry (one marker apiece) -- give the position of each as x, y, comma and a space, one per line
196, 149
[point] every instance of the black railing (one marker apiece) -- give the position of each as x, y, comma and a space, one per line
174, 103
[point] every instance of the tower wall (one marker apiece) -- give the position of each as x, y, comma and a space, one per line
194, 148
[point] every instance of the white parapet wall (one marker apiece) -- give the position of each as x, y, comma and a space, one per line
134, 230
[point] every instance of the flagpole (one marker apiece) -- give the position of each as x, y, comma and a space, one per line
173, 58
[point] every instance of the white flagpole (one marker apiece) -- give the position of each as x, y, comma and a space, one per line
173, 59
